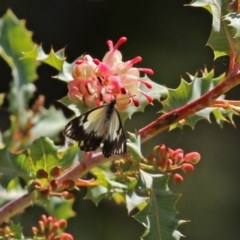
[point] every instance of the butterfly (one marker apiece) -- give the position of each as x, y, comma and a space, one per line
101, 125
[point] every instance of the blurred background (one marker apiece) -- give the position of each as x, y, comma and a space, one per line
171, 38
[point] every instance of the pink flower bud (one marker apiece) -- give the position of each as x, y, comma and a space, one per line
41, 226
34, 231
169, 162
187, 167
192, 157
67, 195
178, 157
177, 178
65, 236
62, 223
55, 227
177, 151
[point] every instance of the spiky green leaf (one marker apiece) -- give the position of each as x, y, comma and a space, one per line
48, 122
13, 166
214, 7
156, 92
233, 23
42, 154
225, 27
160, 215
190, 91
53, 59
14, 40
106, 187
59, 207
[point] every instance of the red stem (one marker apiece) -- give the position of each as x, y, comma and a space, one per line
165, 120
17, 205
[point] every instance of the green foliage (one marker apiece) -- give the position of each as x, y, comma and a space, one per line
12, 167
27, 124
187, 92
233, 24
159, 216
27, 152
60, 208
214, 7
24, 147
157, 92
14, 39
225, 27
43, 154
107, 186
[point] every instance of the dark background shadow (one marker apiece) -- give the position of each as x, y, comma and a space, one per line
172, 40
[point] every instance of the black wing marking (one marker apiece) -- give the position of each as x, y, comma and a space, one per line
85, 129
99, 125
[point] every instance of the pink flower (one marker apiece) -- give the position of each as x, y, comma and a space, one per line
97, 82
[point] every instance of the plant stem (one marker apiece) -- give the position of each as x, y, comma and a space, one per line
18, 205
164, 121
15, 206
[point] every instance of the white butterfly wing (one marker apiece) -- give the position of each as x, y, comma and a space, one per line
114, 141
87, 129
100, 125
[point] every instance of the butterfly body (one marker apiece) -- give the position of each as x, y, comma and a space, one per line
101, 125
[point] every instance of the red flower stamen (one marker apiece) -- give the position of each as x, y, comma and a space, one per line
146, 70
148, 97
120, 41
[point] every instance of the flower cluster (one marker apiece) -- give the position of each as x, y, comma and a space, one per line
51, 229
169, 161
96, 82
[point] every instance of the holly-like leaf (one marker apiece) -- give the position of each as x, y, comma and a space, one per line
233, 23
190, 91
59, 207
106, 187
44, 154
48, 122
156, 92
160, 215
214, 7
225, 27
53, 59
134, 201
134, 147
13, 166
226, 40
14, 39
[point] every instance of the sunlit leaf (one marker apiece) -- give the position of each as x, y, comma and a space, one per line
190, 91
160, 215
214, 7
13, 166
59, 207
14, 40
106, 187
48, 122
